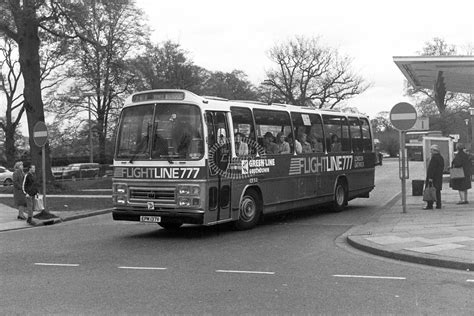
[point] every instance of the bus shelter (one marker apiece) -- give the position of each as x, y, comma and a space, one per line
441, 73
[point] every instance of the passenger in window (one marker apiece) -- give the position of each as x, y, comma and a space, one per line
221, 139
335, 143
283, 145
316, 145
295, 145
268, 144
241, 148
306, 147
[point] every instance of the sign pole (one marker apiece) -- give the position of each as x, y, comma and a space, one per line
403, 174
403, 117
43, 167
40, 137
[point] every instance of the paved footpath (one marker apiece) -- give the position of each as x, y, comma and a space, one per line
9, 221
439, 237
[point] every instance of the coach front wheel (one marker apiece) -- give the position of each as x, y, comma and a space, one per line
249, 211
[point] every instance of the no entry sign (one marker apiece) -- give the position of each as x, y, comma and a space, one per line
403, 116
40, 134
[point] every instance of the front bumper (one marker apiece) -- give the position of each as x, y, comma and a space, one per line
174, 216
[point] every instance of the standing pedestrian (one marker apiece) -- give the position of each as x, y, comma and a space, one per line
30, 188
434, 175
462, 160
18, 195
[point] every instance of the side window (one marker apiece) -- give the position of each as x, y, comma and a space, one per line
366, 135
356, 134
244, 131
308, 133
218, 143
336, 133
273, 128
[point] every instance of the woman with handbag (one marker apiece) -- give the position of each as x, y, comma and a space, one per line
18, 195
462, 184
434, 176
30, 188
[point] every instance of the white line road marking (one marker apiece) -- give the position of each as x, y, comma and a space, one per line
469, 280
368, 277
57, 264
143, 268
249, 272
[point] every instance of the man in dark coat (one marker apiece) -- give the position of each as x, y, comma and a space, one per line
434, 175
30, 188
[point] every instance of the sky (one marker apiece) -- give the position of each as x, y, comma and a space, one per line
227, 35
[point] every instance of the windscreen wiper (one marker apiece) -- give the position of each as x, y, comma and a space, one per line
169, 158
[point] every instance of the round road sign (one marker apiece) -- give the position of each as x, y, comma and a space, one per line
403, 116
40, 134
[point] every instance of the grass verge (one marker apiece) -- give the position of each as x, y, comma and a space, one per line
101, 186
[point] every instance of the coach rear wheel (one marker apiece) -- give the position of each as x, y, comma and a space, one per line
340, 197
249, 211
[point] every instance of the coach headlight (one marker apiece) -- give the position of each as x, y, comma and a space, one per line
184, 201
184, 190
189, 190
121, 188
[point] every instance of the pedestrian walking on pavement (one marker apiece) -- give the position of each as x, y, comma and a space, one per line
462, 160
434, 175
30, 188
18, 194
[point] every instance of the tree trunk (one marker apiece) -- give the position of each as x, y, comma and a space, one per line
28, 47
101, 135
10, 149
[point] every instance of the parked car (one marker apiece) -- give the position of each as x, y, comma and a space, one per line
6, 176
79, 170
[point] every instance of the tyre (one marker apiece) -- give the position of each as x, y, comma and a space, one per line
249, 211
340, 197
8, 182
170, 226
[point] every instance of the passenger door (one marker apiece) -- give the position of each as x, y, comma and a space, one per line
219, 159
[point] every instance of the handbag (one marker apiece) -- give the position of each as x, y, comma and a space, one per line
429, 194
456, 173
38, 203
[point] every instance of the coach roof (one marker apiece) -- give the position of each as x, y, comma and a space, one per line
218, 103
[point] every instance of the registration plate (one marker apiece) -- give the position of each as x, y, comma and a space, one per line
150, 219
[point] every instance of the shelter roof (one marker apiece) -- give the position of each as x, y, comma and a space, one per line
455, 73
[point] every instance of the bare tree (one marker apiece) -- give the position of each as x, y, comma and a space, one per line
10, 78
308, 73
113, 32
23, 21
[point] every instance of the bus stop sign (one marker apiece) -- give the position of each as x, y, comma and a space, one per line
40, 134
403, 116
